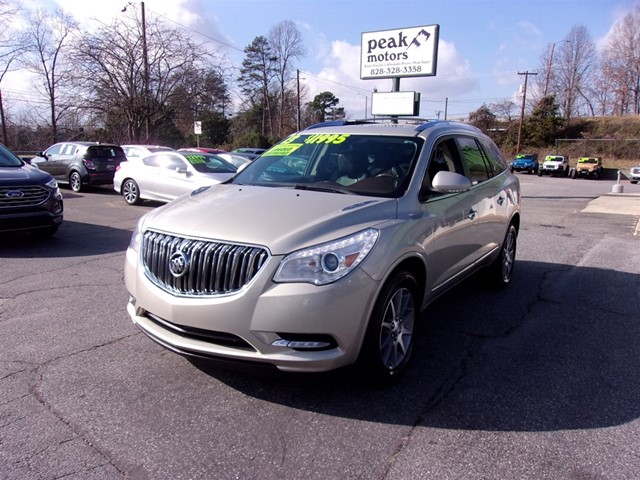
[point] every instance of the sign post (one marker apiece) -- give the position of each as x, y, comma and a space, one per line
405, 52
197, 130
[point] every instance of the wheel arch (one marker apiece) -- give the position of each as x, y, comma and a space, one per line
414, 266
515, 221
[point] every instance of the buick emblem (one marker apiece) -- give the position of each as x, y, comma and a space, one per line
178, 264
14, 194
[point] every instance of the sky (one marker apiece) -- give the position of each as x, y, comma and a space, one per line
483, 44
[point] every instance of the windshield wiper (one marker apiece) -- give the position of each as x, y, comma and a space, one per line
320, 187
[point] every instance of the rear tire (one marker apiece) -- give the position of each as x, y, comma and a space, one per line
501, 270
389, 339
75, 181
131, 192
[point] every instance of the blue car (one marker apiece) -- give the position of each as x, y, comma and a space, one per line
525, 162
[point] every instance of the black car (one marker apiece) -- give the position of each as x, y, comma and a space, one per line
80, 163
29, 198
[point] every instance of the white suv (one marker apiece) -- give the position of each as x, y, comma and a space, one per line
324, 251
555, 165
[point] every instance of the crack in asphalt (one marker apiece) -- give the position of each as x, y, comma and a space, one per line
67, 267
79, 434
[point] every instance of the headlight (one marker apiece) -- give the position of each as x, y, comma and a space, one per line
328, 262
52, 184
136, 237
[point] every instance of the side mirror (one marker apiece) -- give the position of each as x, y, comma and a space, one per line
182, 170
450, 182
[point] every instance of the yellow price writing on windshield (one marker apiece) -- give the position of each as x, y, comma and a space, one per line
282, 150
328, 138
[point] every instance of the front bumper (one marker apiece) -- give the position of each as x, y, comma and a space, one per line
49, 214
293, 326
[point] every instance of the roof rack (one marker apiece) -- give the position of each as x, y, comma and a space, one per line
421, 123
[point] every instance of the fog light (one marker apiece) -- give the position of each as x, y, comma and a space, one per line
301, 345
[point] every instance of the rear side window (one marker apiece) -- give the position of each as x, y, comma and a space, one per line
69, 149
474, 159
152, 160
495, 157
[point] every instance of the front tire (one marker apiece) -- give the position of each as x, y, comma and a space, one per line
131, 192
389, 339
75, 182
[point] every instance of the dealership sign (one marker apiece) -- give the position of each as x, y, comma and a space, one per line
407, 52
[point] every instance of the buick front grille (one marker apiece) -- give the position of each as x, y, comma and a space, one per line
193, 267
23, 196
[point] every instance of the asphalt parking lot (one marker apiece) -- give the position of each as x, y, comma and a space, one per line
539, 381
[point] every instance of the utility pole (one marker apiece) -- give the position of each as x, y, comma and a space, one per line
550, 64
298, 86
524, 99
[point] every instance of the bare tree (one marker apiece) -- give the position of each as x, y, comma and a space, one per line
621, 66
504, 110
11, 47
49, 36
286, 41
601, 91
576, 60
115, 63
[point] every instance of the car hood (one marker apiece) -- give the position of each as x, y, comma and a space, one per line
282, 219
212, 178
25, 175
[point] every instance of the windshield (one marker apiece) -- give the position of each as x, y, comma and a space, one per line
209, 163
588, 160
105, 151
8, 159
372, 165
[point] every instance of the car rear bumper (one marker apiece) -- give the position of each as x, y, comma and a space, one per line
98, 178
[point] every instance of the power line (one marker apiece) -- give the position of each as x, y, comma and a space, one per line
199, 33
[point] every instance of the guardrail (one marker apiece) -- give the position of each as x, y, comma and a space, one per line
25, 155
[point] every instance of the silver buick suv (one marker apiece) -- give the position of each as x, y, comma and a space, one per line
325, 250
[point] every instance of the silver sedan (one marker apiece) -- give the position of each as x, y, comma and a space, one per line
165, 176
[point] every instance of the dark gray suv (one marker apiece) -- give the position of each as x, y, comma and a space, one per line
79, 164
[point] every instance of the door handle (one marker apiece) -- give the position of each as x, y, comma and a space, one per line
472, 214
500, 200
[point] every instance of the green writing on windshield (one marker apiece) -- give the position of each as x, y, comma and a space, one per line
193, 159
